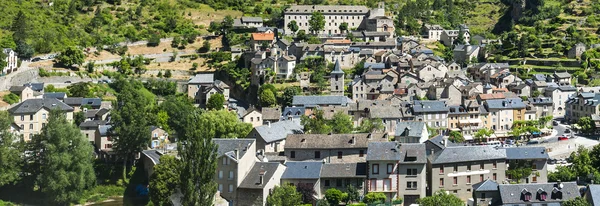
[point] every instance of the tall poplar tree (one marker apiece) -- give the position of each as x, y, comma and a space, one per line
11, 150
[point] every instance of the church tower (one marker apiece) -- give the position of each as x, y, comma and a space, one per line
337, 80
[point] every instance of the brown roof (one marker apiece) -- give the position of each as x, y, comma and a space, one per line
492, 96
338, 41
270, 113
263, 36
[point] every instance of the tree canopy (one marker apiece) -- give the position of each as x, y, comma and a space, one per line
225, 124
71, 56
11, 150
215, 102
284, 195
164, 180
316, 22
440, 198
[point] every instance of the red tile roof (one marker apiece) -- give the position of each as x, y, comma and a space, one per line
263, 36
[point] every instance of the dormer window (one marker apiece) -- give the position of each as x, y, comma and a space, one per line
525, 195
542, 195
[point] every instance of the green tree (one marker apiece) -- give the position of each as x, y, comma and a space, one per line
341, 123
225, 124
316, 124
293, 26
586, 124
536, 93
66, 161
371, 125
524, 46
288, 95
578, 201
130, 122
78, 118
154, 40
198, 161
3, 62
483, 134
316, 22
519, 170
168, 74
11, 151
301, 36
353, 194
215, 102
206, 46
81, 89
374, 197
24, 50
89, 67
583, 162
177, 108
440, 198
456, 136
21, 27
227, 24
284, 195
308, 192
333, 196
267, 98
164, 180
343, 27
562, 173
71, 56
11, 98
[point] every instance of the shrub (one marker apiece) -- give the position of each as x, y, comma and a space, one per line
11, 98
374, 197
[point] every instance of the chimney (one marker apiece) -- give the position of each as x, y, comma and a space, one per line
269, 123
261, 175
237, 154
406, 131
353, 141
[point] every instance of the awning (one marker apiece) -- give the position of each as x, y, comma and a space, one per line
468, 137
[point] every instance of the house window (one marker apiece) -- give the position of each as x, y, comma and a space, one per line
220, 174
441, 182
527, 197
30, 126
441, 169
534, 179
224, 161
220, 187
108, 146
361, 153
317, 154
230, 188
230, 175
326, 183
455, 180
468, 167
482, 165
411, 185
338, 182
375, 169
252, 119
258, 119
340, 155
494, 165
534, 166
482, 196
22, 127
481, 178
31, 117
293, 154
390, 168
468, 179
43, 116
411, 172
455, 168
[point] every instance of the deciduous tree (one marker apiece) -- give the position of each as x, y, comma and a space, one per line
66, 161
371, 125
284, 195
225, 124
456, 136
341, 123
11, 150
440, 198
71, 56
267, 98
578, 201
215, 102
293, 26
316, 22
288, 95
164, 180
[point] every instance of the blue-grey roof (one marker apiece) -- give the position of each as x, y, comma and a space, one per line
251, 19
566, 88
514, 193
467, 154
540, 100
35, 86
410, 129
344, 170
302, 170
94, 102
527, 153
266, 169
152, 155
56, 95
594, 192
383, 151
539, 77
92, 124
104, 129
336, 68
508, 103
230, 145
293, 111
279, 130
319, 100
486, 186
420, 106
31, 106
374, 65
206, 78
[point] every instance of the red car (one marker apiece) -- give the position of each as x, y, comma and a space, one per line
563, 138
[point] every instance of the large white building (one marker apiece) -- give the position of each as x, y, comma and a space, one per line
357, 17
11, 61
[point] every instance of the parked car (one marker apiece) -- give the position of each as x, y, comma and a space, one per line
551, 161
533, 142
562, 137
68, 82
555, 123
510, 141
567, 131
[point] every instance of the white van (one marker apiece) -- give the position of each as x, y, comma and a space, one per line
493, 143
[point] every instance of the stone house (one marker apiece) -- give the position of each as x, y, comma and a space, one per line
576, 51
503, 112
485, 193
83, 104
57, 95
330, 148
23, 92
559, 96
304, 174
202, 86
235, 158
254, 117
271, 114
536, 194
310, 103
561, 78
270, 138
248, 21
32, 115
427, 72
433, 32
544, 106
285, 66
464, 53
411, 132
260, 40
432, 112
259, 183
104, 139
340, 176
592, 194
88, 129
583, 105
12, 61
534, 157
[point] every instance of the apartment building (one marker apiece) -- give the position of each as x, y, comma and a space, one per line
32, 115
543, 106
583, 105
456, 169
434, 113
411, 132
467, 118
202, 86
330, 148
270, 138
560, 95
503, 112
359, 17
534, 157
397, 170
11, 60
235, 160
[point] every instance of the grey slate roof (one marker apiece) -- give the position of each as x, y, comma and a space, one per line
333, 141
383, 151
344, 170
293, 111
319, 100
93, 123
327, 9
429, 106
374, 65
467, 154
410, 129
56, 95
271, 113
35, 86
252, 19
34, 105
205, 78
94, 102
152, 155
517, 153
278, 130
16, 89
508, 103
594, 192
229, 145
302, 170
413, 153
336, 68
251, 181
73, 100
104, 129
486, 186
513, 193
562, 75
